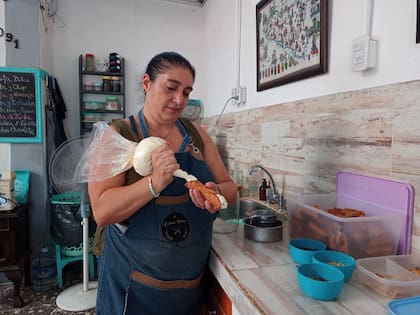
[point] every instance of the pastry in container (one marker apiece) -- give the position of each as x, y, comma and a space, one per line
393, 276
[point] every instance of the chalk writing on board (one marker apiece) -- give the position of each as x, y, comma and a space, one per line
17, 105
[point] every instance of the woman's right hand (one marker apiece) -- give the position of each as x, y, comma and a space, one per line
164, 165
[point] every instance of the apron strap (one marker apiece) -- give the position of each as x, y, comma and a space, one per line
187, 138
143, 124
133, 124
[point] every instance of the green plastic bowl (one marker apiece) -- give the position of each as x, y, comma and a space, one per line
302, 249
338, 260
320, 281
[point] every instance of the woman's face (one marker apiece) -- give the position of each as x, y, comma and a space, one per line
169, 93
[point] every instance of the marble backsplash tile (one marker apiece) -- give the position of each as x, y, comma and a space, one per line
305, 143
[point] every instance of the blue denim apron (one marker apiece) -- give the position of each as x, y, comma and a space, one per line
155, 264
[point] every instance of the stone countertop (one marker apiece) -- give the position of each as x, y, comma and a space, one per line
260, 278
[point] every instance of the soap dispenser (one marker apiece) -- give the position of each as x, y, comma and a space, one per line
263, 190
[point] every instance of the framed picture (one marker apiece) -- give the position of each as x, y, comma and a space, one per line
418, 23
292, 41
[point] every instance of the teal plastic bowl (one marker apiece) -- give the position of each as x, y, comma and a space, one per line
320, 281
338, 260
302, 249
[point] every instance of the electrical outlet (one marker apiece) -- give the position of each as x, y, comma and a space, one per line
235, 96
242, 96
239, 95
363, 53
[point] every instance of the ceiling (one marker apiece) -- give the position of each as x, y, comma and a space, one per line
199, 3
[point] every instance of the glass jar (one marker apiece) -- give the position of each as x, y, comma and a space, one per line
106, 83
90, 62
115, 84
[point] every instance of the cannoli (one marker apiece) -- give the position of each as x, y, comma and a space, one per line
317, 230
217, 201
346, 212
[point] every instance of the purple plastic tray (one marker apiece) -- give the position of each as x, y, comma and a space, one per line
395, 196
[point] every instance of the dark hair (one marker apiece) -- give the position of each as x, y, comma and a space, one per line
165, 60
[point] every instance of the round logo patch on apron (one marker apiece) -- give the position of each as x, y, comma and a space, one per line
175, 227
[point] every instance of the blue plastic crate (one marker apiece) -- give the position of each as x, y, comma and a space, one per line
21, 185
68, 198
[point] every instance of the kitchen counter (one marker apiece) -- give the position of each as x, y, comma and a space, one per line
260, 278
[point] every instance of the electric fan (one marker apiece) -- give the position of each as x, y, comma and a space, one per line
62, 168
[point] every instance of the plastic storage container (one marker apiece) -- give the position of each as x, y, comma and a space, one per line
393, 276
93, 117
112, 103
44, 270
88, 86
94, 105
375, 234
97, 86
405, 306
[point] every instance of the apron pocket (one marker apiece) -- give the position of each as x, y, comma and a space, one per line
146, 295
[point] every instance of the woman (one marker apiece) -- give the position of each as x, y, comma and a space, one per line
158, 234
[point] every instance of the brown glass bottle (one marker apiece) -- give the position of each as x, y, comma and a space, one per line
263, 188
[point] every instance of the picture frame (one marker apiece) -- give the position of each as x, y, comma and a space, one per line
292, 41
418, 23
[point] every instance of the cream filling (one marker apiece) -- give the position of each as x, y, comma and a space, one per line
223, 202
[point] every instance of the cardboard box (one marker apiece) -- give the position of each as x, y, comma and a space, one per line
7, 196
376, 234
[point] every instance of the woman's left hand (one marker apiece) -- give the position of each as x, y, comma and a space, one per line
199, 200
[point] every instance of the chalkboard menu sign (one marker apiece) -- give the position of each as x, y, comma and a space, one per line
20, 105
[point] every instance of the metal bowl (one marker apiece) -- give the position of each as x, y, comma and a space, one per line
263, 233
263, 216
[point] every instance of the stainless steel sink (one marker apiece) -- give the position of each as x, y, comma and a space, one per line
246, 206
228, 219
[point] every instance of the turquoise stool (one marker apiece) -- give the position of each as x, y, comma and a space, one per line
68, 255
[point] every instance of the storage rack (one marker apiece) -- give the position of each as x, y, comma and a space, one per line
85, 125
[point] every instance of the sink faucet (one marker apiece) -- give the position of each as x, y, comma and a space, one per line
276, 197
